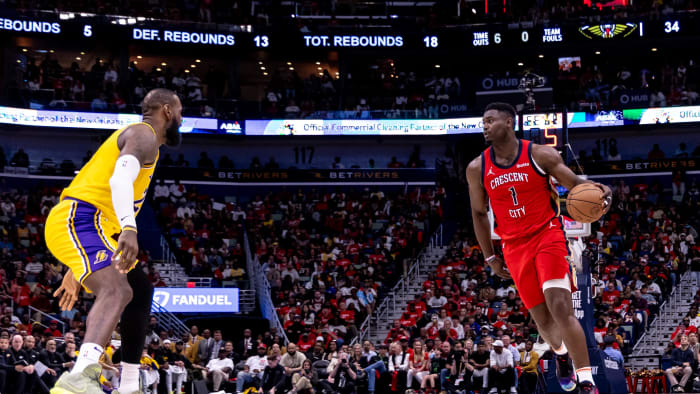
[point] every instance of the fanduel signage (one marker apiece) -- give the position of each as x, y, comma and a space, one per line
183, 300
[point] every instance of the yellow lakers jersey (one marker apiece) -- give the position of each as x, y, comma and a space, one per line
92, 182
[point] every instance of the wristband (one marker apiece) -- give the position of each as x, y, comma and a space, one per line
130, 228
490, 258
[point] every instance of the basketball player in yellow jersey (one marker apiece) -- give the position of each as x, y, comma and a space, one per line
103, 201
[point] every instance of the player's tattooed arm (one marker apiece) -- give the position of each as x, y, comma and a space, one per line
551, 162
138, 140
138, 146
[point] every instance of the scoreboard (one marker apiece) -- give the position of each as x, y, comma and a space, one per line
544, 128
81, 27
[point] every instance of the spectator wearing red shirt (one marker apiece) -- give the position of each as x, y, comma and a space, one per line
610, 294
412, 313
21, 293
306, 342
53, 330
407, 321
342, 261
347, 315
681, 330
421, 308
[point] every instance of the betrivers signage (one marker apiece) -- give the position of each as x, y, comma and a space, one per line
183, 300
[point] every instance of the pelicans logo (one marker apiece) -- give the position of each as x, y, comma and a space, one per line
288, 128
608, 30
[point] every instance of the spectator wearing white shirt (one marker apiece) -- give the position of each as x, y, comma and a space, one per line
179, 81
398, 361
238, 214
111, 76
184, 211
161, 192
217, 369
254, 367
540, 347
177, 192
290, 271
33, 269
501, 371
437, 301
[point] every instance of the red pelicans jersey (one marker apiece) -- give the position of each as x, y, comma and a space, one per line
522, 196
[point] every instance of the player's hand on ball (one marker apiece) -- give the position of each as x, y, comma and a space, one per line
68, 292
607, 196
499, 267
127, 250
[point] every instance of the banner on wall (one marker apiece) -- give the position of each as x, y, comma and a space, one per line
595, 119
421, 176
636, 166
633, 98
668, 115
196, 300
349, 127
92, 120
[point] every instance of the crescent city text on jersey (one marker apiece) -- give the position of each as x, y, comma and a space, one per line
506, 178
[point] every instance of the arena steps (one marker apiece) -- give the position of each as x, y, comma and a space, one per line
651, 345
396, 302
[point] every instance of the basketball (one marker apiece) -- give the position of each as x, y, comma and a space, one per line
585, 203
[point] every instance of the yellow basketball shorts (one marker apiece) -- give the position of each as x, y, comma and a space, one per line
79, 236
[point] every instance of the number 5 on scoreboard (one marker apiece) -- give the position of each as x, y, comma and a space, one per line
551, 138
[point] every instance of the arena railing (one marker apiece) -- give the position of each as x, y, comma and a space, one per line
263, 289
47, 316
169, 321
166, 255
661, 319
401, 289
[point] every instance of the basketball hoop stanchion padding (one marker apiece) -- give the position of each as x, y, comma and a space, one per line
609, 377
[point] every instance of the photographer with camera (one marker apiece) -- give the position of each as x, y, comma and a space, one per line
342, 378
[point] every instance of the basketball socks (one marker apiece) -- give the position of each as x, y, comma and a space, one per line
584, 374
130, 378
562, 350
90, 353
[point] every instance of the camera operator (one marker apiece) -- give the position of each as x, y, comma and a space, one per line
342, 378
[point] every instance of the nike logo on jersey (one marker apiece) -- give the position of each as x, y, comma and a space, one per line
522, 165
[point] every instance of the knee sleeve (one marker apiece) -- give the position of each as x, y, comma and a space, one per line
134, 320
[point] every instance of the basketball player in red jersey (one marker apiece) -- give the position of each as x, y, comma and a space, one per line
514, 176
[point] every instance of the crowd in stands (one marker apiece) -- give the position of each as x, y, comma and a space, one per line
600, 85
206, 235
383, 90
101, 88
47, 166
607, 150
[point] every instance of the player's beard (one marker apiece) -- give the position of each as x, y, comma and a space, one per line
173, 138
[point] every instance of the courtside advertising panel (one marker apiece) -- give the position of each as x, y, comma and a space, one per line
195, 300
